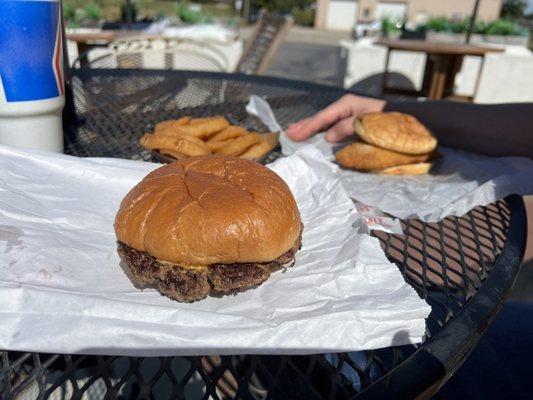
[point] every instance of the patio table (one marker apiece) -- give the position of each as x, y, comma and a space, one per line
86, 41
463, 267
230, 50
443, 62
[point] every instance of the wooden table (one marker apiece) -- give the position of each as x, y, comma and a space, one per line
443, 62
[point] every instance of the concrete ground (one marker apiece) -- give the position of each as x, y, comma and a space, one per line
307, 61
307, 54
500, 366
301, 34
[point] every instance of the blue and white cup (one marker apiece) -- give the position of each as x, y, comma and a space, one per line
32, 91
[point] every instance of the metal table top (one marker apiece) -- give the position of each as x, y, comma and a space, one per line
463, 267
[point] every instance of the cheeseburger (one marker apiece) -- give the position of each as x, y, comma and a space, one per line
207, 225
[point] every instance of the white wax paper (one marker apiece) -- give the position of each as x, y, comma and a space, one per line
460, 182
62, 288
374, 219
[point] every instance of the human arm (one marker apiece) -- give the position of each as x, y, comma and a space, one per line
492, 129
497, 130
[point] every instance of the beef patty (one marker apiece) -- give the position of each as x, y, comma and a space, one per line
187, 284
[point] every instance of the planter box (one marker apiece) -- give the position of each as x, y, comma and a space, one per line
91, 23
476, 38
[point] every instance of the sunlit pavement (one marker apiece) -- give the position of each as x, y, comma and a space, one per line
318, 63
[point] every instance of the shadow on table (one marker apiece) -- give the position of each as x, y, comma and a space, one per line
373, 85
426, 372
500, 366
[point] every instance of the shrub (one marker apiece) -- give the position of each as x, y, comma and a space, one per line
69, 12
502, 27
498, 27
304, 17
190, 16
513, 9
92, 11
388, 26
460, 26
480, 27
282, 6
438, 24
80, 15
186, 14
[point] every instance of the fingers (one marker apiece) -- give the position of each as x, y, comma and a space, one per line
347, 106
338, 110
294, 131
340, 130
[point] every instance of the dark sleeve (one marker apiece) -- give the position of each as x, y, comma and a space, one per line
495, 129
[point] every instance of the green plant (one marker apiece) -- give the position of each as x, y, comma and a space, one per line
283, 6
513, 9
191, 16
72, 25
460, 26
69, 12
498, 27
187, 15
438, 24
480, 27
388, 26
92, 11
503, 27
305, 17
79, 15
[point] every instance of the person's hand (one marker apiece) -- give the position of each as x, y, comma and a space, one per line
337, 116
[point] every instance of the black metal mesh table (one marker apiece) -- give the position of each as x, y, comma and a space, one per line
463, 267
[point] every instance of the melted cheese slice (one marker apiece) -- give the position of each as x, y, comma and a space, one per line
170, 265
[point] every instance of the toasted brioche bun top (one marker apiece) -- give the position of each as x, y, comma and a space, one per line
209, 210
395, 131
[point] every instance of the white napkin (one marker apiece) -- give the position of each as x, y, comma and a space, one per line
62, 289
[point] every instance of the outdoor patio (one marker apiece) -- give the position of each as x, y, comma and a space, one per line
459, 323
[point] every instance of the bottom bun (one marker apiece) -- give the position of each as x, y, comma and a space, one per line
192, 283
366, 157
411, 169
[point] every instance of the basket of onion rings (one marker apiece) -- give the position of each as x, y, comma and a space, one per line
185, 137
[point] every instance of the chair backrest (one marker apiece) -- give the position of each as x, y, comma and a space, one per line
268, 35
159, 53
506, 78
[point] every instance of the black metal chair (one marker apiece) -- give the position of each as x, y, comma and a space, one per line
155, 53
164, 53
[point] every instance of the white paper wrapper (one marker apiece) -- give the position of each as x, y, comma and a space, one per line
373, 219
62, 289
461, 182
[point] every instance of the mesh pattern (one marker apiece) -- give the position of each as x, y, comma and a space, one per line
446, 262
157, 53
116, 108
